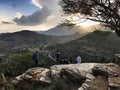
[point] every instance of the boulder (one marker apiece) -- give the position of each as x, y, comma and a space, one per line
35, 74
116, 59
85, 76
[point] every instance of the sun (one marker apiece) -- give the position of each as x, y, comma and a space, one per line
88, 23
83, 22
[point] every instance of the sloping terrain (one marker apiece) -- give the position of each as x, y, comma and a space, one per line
62, 30
98, 46
28, 41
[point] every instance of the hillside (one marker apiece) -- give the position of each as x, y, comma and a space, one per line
29, 41
9, 42
98, 46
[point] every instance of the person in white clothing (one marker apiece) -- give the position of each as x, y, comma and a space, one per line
78, 59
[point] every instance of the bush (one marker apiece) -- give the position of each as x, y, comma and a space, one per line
21, 62
56, 85
25, 60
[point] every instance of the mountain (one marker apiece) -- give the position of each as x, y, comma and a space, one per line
23, 40
30, 41
98, 46
61, 30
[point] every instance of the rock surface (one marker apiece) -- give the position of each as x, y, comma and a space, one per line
85, 76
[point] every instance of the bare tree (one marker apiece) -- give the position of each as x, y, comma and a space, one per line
107, 12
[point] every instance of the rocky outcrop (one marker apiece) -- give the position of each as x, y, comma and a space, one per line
117, 59
85, 76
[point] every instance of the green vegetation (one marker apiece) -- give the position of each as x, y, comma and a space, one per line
17, 65
98, 46
21, 62
45, 61
56, 85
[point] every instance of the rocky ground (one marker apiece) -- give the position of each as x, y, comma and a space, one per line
85, 76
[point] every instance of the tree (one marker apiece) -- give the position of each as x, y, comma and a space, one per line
107, 12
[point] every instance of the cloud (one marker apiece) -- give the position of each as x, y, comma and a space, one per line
55, 10
36, 18
18, 15
51, 4
6, 22
36, 3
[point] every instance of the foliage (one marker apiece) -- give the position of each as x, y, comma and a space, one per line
45, 61
56, 85
98, 47
25, 60
18, 64
22, 62
106, 12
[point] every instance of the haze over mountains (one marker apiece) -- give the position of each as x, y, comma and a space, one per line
62, 30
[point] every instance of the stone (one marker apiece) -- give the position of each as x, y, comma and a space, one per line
27, 76
84, 76
117, 59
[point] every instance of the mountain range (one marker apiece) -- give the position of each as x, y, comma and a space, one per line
62, 30
30, 41
98, 46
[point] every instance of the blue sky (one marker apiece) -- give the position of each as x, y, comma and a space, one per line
10, 7
16, 15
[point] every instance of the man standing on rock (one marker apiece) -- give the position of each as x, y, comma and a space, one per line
35, 58
78, 59
58, 55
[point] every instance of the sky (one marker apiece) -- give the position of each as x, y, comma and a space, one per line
16, 15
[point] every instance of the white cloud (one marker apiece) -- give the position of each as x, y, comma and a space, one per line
37, 3
36, 18
55, 17
42, 19
6, 20
18, 15
44, 3
49, 14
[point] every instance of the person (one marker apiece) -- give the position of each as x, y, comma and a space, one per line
35, 58
58, 56
66, 61
78, 59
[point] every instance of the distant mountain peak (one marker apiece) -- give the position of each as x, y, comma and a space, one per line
61, 31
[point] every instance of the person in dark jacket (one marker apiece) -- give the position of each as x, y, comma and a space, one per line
58, 55
35, 58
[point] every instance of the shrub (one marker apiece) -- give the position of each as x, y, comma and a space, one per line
56, 85
21, 62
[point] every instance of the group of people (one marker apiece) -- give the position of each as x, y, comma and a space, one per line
65, 60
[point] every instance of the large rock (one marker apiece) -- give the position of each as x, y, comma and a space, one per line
35, 74
117, 59
85, 76
112, 71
